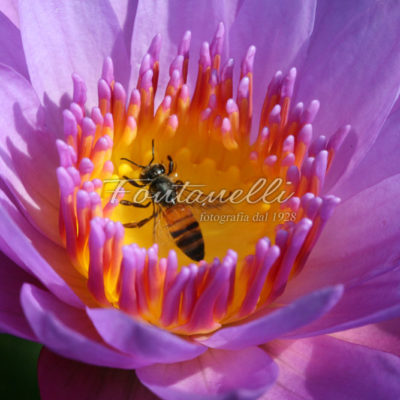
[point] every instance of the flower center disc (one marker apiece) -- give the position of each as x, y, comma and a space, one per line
229, 222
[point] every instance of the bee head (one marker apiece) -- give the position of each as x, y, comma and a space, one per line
152, 172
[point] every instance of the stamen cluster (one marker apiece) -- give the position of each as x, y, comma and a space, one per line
194, 298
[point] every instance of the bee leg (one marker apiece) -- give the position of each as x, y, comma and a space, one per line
154, 221
170, 165
134, 183
139, 224
179, 184
131, 203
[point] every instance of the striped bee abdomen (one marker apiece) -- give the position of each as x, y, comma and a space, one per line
185, 230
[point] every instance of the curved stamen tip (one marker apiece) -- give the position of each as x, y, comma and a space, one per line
184, 45
173, 121
135, 97
66, 153
65, 182
310, 112
147, 80
275, 115
96, 116
328, 206
155, 47
205, 57
305, 134
108, 70
86, 166
244, 85
218, 40
146, 64
119, 92
288, 83
79, 89
88, 127
231, 106
248, 61
70, 123
104, 89
177, 64
219, 33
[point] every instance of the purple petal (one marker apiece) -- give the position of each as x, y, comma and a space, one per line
12, 53
384, 336
12, 318
359, 248
27, 155
63, 379
280, 30
276, 323
68, 332
171, 19
380, 162
79, 36
360, 238
216, 374
376, 299
125, 11
330, 369
140, 339
10, 9
351, 68
39, 256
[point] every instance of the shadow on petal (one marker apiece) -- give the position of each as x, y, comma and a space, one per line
63, 379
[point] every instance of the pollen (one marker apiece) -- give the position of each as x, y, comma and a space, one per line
257, 208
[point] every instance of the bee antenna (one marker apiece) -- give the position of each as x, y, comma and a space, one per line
143, 166
133, 162
152, 152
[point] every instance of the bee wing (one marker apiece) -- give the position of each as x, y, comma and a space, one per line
161, 232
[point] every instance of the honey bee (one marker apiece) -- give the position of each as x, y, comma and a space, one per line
180, 221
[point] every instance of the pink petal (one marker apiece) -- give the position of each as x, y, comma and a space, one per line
125, 11
359, 248
10, 9
68, 332
11, 51
360, 238
379, 163
384, 336
39, 256
79, 35
276, 323
373, 300
330, 369
216, 374
63, 379
28, 158
12, 318
141, 339
351, 67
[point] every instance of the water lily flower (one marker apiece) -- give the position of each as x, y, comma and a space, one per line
290, 293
